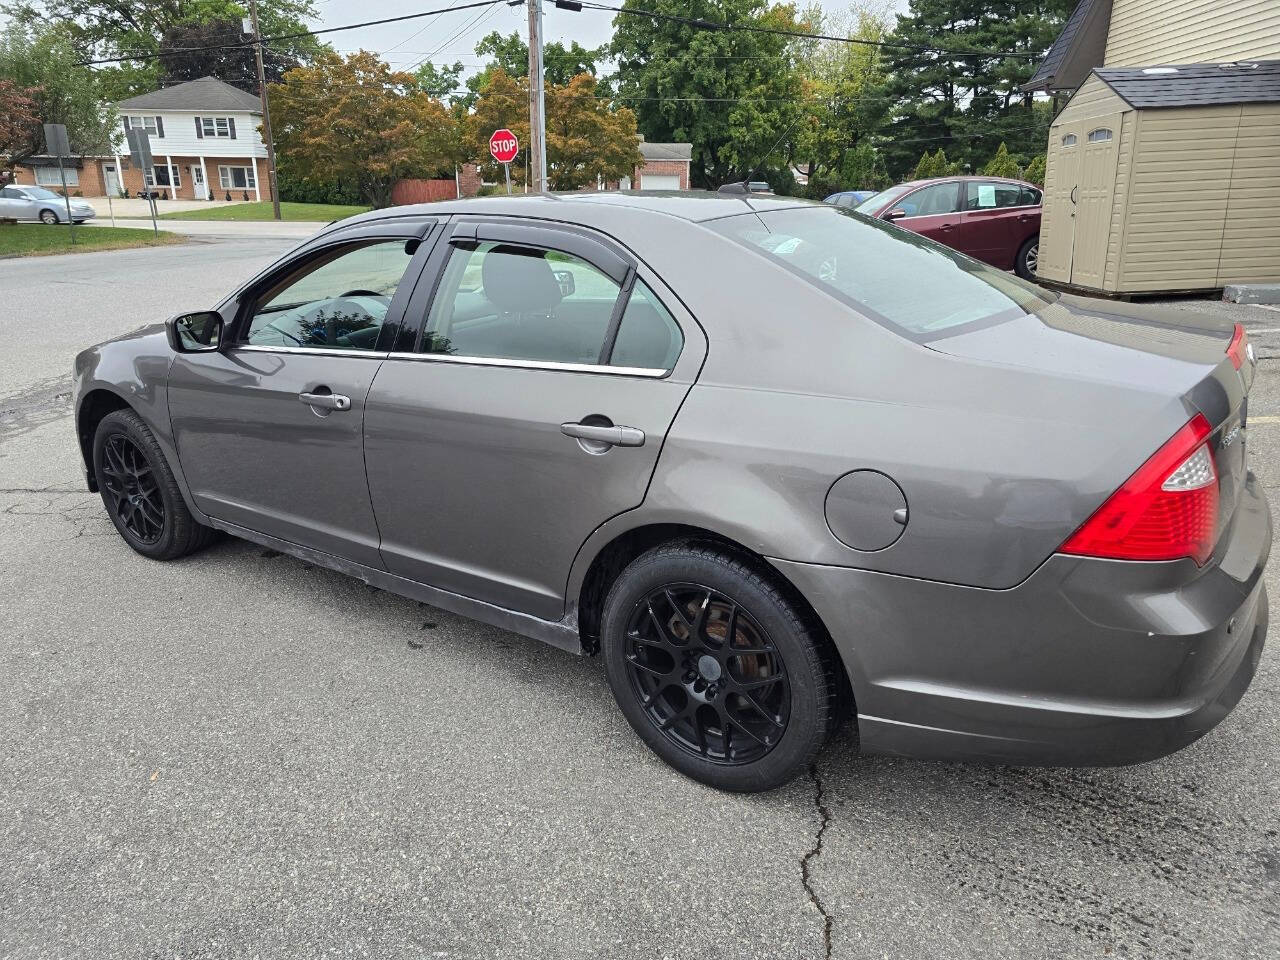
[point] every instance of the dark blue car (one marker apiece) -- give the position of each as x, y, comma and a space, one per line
849, 198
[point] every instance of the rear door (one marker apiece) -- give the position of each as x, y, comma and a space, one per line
529, 410
995, 221
932, 211
1100, 152
1061, 184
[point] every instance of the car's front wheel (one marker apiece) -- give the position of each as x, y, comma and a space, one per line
140, 492
48, 216
1028, 259
716, 669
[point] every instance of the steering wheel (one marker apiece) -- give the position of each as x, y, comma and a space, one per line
365, 293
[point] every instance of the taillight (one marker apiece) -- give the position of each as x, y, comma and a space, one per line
1238, 349
1167, 510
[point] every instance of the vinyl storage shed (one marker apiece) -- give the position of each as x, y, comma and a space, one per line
1165, 179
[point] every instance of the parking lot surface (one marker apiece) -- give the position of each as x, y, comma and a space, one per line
240, 755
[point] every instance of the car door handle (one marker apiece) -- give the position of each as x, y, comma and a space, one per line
615, 436
326, 401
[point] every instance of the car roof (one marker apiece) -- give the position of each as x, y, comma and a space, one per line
596, 208
963, 176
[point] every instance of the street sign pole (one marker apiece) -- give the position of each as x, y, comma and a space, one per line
55, 143
507, 167
504, 147
140, 153
71, 224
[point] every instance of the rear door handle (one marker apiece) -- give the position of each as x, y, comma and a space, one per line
615, 436
326, 401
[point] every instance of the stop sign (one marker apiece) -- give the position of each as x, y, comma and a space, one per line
503, 145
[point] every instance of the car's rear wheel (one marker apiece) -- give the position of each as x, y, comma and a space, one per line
716, 669
140, 492
1028, 259
48, 216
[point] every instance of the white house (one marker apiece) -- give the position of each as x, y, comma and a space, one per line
204, 141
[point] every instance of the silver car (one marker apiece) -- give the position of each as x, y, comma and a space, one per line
36, 203
782, 465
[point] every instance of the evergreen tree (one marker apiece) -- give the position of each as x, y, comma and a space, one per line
1035, 170
1002, 164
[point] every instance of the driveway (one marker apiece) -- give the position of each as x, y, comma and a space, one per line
238, 754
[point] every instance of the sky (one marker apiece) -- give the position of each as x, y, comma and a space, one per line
452, 37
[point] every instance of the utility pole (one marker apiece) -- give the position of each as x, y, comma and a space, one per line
537, 99
266, 112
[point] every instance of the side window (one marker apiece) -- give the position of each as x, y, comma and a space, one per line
1029, 197
648, 336
1099, 135
930, 201
1069, 140
504, 301
987, 196
12, 193
336, 301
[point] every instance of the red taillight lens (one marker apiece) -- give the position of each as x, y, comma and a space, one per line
1238, 347
1167, 510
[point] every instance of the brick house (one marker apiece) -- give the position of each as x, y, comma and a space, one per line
204, 140
665, 167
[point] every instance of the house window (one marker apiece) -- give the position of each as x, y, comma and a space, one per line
236, 178
1100, 135
48, 176
153, 125
1069, 140
162, 176
224, 127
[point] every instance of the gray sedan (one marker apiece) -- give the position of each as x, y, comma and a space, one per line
36, 203
782, 465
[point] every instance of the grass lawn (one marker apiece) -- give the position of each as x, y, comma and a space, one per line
319, 212
35, 239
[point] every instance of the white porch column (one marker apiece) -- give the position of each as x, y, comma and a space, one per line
204, 175
119, 174
173, 191
257, 181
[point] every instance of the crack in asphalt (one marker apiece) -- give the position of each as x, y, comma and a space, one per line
806, 874
36, 406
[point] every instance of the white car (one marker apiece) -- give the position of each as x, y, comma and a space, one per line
36, 203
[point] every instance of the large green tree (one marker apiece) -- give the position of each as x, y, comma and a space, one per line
215, 48
968, 101
355, 121
41, 62
736, 96
509, 53
108, 28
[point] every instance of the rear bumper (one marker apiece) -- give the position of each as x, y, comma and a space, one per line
1087, 662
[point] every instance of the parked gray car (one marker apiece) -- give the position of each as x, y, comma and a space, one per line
36, 203
780, 463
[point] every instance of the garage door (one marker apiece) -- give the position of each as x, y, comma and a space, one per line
651, 181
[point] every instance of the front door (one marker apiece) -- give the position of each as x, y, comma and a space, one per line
932, 211
111, 179
1100, 143
530, 411
1061, 192
269, 429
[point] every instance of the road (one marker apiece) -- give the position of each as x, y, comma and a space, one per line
240, 755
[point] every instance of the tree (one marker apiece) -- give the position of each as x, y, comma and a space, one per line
119, 27
587, 140
1002, 165
735, 96
834, 143
354, 120
439, 82
1035, 170
216, 48
18, 121
510, 54
968, 102
42, 61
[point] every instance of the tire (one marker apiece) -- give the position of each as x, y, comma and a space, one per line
680, 694
49, 217
140, 492
1028, 259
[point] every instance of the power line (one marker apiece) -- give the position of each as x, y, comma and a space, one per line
711, 25
289, 36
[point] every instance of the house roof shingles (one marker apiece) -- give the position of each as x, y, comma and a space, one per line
1080, 46
666, 151
1196, 84
207, 93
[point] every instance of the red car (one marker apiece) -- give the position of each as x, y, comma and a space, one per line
991, 219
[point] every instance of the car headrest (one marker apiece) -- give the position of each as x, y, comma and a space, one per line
519, 281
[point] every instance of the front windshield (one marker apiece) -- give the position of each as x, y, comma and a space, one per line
881, 199
894, 276
40, 193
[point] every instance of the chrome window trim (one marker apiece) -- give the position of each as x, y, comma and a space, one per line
321, 351
650, 372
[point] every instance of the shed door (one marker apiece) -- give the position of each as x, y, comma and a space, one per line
1058, 224
1100, 149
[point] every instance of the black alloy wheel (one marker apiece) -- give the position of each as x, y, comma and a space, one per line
132, 490
707, 674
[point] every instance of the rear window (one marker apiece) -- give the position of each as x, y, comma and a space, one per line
881, 199
896, 277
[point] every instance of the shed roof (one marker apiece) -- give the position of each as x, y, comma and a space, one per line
207, 93
1080, 46
1196, 84
666, 151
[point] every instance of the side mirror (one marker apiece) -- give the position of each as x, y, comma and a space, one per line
565, 279
896, 214
198, 332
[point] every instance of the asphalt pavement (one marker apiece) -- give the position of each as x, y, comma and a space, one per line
240, 755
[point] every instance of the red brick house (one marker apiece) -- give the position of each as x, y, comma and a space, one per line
665, 167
